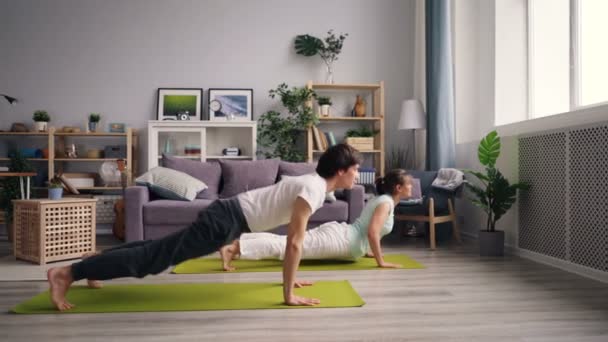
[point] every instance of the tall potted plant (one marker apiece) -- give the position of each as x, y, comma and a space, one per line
41, 118
495, 196
279, 134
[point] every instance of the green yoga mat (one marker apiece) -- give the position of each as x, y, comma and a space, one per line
214, 265
191, 297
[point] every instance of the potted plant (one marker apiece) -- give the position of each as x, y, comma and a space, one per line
495, 196
41, 119
55, 188
278, 134
324, 104
328, 50
362, 139
93, 120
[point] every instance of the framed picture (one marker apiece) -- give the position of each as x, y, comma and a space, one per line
230, 104
180, 104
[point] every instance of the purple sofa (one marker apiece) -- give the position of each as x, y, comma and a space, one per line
148, 217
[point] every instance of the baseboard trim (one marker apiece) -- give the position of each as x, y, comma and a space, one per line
561, 264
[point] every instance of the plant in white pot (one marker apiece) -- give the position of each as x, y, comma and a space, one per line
495, 196
41, 119
93, 121
324, 104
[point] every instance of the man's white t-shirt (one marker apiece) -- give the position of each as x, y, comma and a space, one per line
269, 207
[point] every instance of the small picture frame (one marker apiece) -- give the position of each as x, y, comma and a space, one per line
180, 104
230, 104
116, 127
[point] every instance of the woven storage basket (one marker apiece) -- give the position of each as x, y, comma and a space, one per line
52, 230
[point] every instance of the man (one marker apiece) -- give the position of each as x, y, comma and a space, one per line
291, 202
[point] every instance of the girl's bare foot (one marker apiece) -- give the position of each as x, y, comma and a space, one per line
60, 279
229, 253
94, 284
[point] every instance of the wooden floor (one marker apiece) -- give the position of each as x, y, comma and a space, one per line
458, 297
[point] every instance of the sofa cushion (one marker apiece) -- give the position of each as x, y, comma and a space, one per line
171, 184
210, 173
243, 175
331, 211
296, 169
167, 212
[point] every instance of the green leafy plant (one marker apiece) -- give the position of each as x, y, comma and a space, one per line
324, 100
279, 133
55, 183
328, 49
94, 117
496, 196
41, 116
363, 132
10, 185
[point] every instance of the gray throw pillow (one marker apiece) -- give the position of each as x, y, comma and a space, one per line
171, 184
244, 175
296, 169
209, 173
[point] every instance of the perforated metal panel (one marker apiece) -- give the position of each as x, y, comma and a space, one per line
589, 197
542, 209
565, 213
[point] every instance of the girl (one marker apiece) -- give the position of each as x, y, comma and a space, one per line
334, 240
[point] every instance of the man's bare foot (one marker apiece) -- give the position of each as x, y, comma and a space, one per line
229, 253
94, 284
60, 279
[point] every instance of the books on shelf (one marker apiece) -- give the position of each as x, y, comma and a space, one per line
367, 175
323, 140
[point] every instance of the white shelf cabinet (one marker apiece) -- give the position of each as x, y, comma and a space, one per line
180, 138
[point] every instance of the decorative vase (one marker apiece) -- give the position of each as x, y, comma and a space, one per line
55, 193
329, 78
92, 126
491, 243
360, 107
325, 110
41, 126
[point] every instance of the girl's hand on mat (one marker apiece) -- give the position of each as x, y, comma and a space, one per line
301, 301
302, 283
389, 265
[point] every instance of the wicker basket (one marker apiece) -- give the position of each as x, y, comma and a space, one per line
52, 230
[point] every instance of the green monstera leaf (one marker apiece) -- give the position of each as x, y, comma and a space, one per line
308, 45
489, 149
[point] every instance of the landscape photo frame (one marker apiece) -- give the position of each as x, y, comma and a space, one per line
230, 104
180, 104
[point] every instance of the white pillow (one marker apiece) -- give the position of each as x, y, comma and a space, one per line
171, 184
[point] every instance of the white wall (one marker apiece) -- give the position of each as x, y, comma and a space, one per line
73, 57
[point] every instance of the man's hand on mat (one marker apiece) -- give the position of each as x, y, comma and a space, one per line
389, 265
302, 283
301, 301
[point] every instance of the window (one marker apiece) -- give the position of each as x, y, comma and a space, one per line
567, 55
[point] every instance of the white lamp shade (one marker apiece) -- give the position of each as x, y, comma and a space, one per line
412, 115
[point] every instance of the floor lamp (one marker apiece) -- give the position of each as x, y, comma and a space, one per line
412, 117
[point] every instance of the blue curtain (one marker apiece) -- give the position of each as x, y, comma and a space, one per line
440, 141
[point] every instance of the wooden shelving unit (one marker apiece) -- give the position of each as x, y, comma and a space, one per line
57, 141
376, 120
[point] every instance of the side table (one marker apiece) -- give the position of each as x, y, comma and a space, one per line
52, 230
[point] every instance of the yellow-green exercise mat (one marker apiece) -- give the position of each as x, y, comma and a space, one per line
191, 297
214, 265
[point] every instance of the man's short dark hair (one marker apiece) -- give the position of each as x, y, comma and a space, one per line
336, 158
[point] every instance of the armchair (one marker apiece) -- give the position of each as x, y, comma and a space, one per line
437, 206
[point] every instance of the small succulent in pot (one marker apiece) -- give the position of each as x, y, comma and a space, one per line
41, 118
